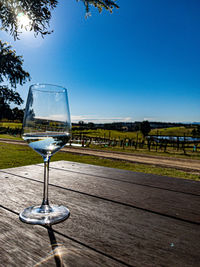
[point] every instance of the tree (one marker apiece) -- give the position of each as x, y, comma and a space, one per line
81, 123
8, 96
11, 66
90, 125
11, 70
145, 128
196, 131
100, 4
18, 114
38, 13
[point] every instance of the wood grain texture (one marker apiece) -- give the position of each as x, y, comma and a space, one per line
104, 229
171, 201
27, 245
176, 184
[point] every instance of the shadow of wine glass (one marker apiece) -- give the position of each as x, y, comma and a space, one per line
57, 250
63, 257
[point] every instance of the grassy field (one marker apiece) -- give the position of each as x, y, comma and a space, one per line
172, 131
11, 124
170, 153
108, 134
170, 150
17, 155
112, 134
8, 136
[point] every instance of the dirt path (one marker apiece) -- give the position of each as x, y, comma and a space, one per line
180, 164
177, 163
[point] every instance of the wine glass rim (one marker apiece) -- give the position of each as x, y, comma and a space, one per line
41, 87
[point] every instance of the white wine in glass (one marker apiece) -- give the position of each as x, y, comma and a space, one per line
46, 128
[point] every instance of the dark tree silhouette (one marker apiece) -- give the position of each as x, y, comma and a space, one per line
145, 128
39, 13
8, 96
90, 125
18, 114
81, 123
196, 131
100, 4
11, 66
11, 70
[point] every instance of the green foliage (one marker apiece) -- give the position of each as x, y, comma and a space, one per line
11, 66
145, 128
11, 70
100, 4
39, 14
8, 96
196, 131
18, 114
11, 131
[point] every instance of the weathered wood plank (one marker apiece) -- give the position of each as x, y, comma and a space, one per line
170, 183
169, 202
130, 235
27, 245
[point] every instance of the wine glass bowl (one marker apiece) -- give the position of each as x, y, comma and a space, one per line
46, 128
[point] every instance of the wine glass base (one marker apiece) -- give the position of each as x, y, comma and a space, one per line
44, 215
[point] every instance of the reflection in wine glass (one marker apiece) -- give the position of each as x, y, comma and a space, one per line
46, 128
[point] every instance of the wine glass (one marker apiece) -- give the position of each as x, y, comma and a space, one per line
46, 128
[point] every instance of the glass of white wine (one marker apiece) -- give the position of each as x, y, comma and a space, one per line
46, 128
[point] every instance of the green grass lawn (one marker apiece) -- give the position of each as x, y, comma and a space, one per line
108, 134
172, 131
175, 131
171, 152
11, 124
8, 136
17, 155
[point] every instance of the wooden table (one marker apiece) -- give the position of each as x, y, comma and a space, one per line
118, 218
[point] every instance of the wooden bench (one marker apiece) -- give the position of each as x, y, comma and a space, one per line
118, 218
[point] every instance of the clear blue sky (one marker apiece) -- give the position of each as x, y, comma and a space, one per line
141, 62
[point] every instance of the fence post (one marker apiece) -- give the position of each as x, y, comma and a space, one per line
136, 144
184, 144
177, 143
157, 142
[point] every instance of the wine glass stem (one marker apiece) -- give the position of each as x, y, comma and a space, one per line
46, 181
